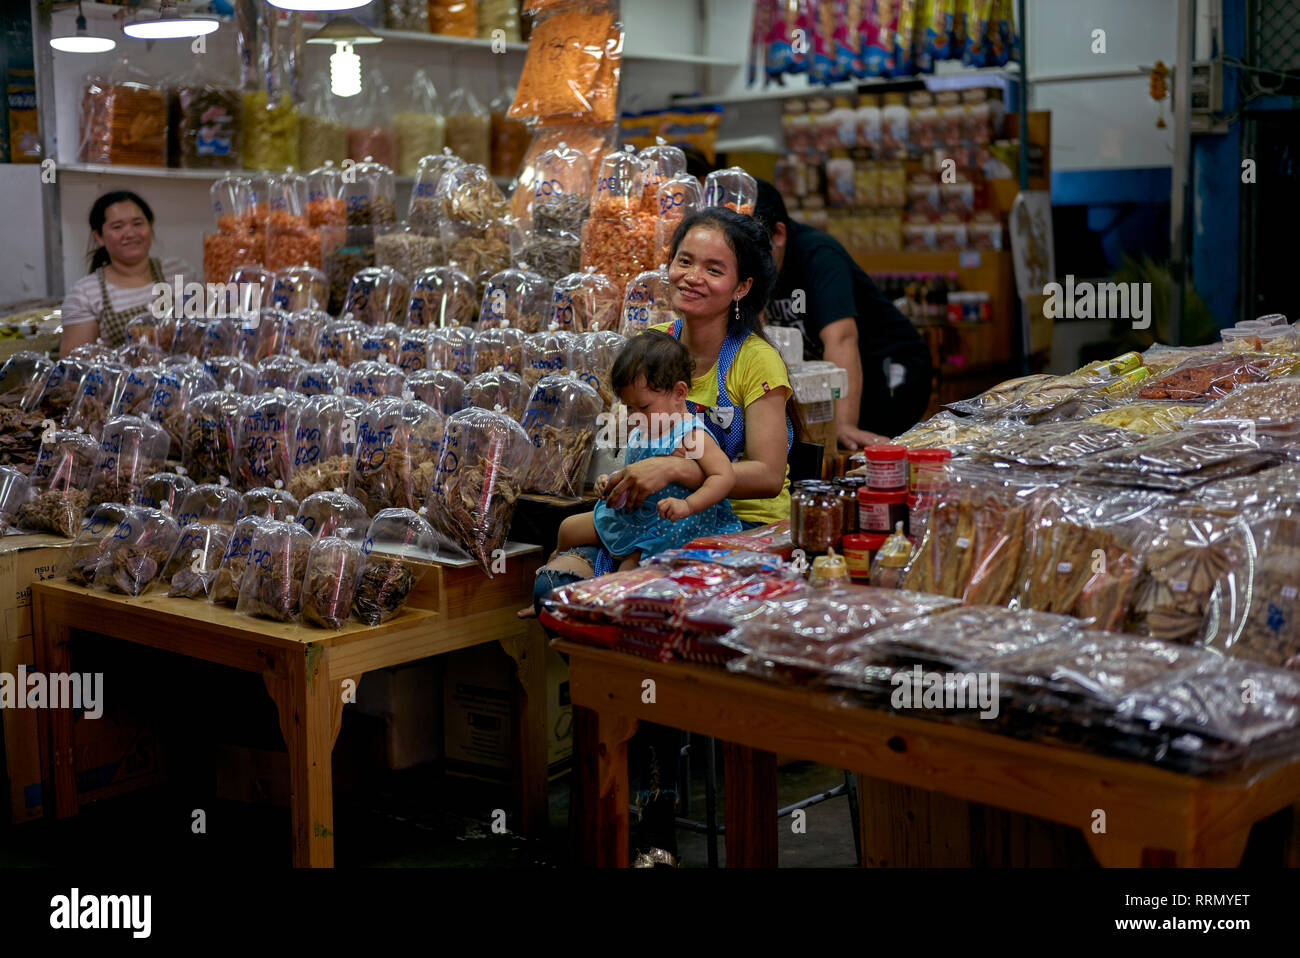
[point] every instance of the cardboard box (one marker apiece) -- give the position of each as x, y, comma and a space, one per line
408, 699
477, 718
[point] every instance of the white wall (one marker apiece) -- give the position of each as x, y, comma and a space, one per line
23, 275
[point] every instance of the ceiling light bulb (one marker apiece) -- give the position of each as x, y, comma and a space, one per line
318, 5
81, 41
345, 71
168, 25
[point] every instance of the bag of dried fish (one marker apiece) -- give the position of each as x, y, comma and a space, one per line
303, 330
320, 379
516, 298
96, 352
424, 215
497, 348
377, 295
93, 538
22, 377
277, 563
225, 586
192, 568
263, 447
324, 443
135, 391
407, 250
441, 297
96, 397
559, 199
135, 553
441, 388
586, 301
413, 350
478, 251
561, 423
164, 491
550, 255
130, 450
262, 336
141, 354
400, 544
481, 468
453, 348
333, 513
174, 387
383, 343
469, 126
498, 389
270, 502
592, 356
15, 492
211, 434
60, 479
1177, 461
546, 353
299, 288
370, 196
279, 371
333, 568
60, 388
340, 341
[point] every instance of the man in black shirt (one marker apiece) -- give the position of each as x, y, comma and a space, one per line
845, 319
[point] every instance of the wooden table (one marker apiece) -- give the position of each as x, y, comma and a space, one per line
1152, 816
305, 668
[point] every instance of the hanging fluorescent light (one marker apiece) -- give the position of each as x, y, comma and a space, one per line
81, 41
345, 66
166, 24
317, 5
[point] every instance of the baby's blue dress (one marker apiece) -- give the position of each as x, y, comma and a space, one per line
623, 533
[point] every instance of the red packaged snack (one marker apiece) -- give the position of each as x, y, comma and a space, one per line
774, 538
597, 600
662, 598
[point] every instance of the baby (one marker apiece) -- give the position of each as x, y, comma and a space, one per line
652, 376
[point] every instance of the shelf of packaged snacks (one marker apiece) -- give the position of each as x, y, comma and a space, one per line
950, 77
175, 173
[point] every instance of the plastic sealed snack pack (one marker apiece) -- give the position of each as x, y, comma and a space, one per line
1198, 379
333, 513
164, 491
277, 562
15, 491
562, 75
133, 555
498, 389
59, 482
441, 296
399, 547
592, 357
269, 502
586, 301
498, 348
561, 424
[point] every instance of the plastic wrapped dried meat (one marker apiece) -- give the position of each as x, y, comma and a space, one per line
561, 424
59, 479
454, 349
325, 203
303, 330
469, 197
136, 391
340, 341
333, 513
947, 431
478, 251
586, 301
370, 196
164, 491
1199, 379
562, 72
516, 298
619, 248
263, 448
225, 585
60, 387
1055, 444
1177, 461
675, 198
372, 379
299, 288
134, 554
333, 569
550, 255
546, 353
397, 449
498, 389
400, 545
598, 600
213, 503
592, 356
277, 563
192, 568
96, 397
481, 468
970, 636
130, 450
646, 302
22, 377
998, 398
440, 388
270, 503
140, 354
210, 434
383, 343
496, 348
440, 297
1149, 418
93, 539
378, 295
345, 250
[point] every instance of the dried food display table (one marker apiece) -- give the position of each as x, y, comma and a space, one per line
1152, 816
304, 668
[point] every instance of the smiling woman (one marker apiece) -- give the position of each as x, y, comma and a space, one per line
122, 274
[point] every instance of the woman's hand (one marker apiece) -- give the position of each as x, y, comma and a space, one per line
628, 488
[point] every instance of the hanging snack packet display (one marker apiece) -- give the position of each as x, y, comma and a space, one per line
469, 128
324, 444
591, 358
59, 480
497, 389
481, 469
420, 126
517, 298
585, 301
400, 546
263, 444
132, 557
130, 450
441, 296
333, 568
277, 563
333, 513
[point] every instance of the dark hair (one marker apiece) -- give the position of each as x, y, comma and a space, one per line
698, 164
752, 247
98, 255
770, 208
661, 359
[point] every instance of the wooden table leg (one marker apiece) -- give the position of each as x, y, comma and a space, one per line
600, 813
50, 647
310, 706
531, 732
750, 785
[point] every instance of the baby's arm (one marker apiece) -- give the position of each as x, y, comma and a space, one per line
719, 479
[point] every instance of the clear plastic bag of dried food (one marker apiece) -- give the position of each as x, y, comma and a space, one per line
413, 350
225, 586
1178, 461
377, 295
192, 568
95, 398
277, 563
139, 354
322, 137
619, 248
592, 356
324, 431
136, 391
971, 636
399, 547
290, 239
270, 503
481, 469
1216, 377
130, 450
156, 331
173, 389
320, 379
219, 337
94, 536
469, 197
585, 301
551, 255
675, 198
407, 250
373, 379
453, 348
646, 302
993, 401
560, 200
334, 567
15, 492
498, 389
420, 125
252, 282
211, 432
659, 163
546, 353
261, 336
279, 371
60, 479
263, 445
298, 288
383, 343
123, 118
60, 387
561, 424
164, 491
1055, 444
442, 296
303, 330
441, 388
478, 251
381, 474
134, 554
340, 341
469, 127
371, 137
22, 377
579, 42
189, 334
733, 188
325, 203
369, 195
1273, 408
424, 215
333, 513
497, 348
517, 298
212, 502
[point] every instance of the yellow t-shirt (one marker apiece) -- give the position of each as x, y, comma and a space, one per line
757, 369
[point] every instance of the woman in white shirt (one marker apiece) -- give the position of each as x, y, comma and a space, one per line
122, 274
